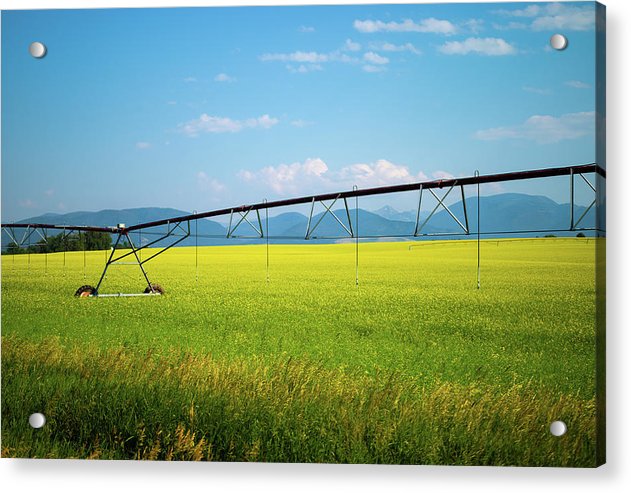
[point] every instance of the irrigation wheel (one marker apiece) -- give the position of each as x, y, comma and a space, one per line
85, 291
156, 289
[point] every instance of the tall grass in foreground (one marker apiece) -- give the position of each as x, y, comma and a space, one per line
126, 403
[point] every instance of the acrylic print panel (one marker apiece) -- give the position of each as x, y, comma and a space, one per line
345, 234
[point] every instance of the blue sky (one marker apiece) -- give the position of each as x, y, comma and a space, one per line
210, 107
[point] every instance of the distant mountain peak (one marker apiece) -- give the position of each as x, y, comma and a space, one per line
387, 209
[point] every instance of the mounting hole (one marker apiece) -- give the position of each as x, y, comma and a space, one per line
37, 420
37, 49
558, 428
558, 42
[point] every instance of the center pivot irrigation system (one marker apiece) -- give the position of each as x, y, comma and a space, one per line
179, 228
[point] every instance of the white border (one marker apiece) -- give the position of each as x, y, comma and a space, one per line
50, 476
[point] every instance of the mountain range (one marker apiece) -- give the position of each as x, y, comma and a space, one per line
500, 215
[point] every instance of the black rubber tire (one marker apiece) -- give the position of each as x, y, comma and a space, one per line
85, 291
156, 289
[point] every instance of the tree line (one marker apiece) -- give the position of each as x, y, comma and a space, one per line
89, 240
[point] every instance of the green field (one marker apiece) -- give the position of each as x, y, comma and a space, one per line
413, 366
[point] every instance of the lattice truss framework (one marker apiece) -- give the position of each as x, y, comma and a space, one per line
249, 216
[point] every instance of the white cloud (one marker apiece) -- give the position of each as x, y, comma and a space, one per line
350, 45
380, 173
296, 56
553, 16
308, 61
442, 175
375, 59
288, 178
143, 145
246, 175
479, 46
190, 79
303, 69
338, 56
530, 11
537, 90
430, 25
474, 26
303, 62
313, 176
306, 29
49, 193
510, 25
570, 17
392, 47
217, 124
577, 84
264, 121
224, 78
545, 129
311, 61
208, 184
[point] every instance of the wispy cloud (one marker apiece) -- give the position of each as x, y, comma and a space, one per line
143, 145
393, 47
382, 172
371, 69
224, 78
306, 29
350, 45
478, 46
374, 62
530, 11
552, 16
288, 178
304, 68
218, 124
314, 174
545, 129
375, 59
577, 84
190, 79
430, 25
509, 25
537, 90
311, 61
49, 193
442, 175
301, 123
296, 56
474, 26
208, 184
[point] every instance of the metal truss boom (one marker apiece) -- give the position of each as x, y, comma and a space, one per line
469, 180
243, 210
179, 228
